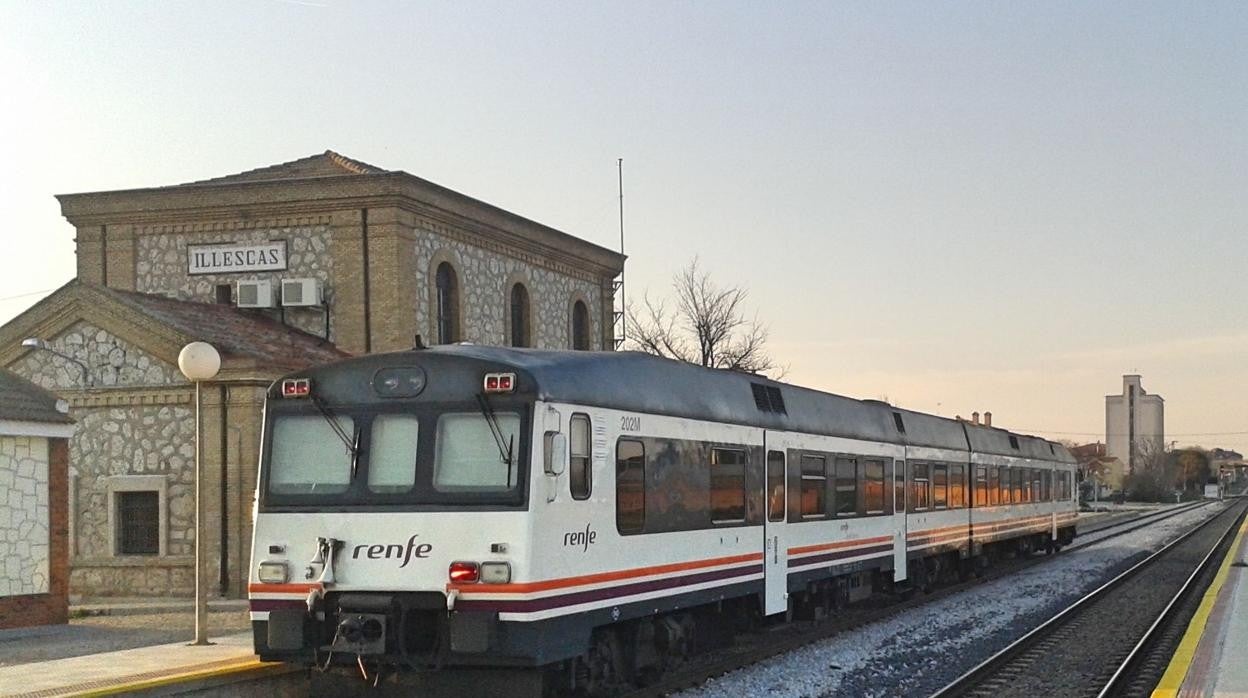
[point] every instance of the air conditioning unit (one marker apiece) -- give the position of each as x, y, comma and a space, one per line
255, 294
301, 292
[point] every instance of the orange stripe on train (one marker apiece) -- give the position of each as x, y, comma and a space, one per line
549, 584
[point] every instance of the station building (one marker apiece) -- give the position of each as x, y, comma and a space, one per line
279, 268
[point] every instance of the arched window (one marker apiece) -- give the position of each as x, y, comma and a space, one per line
447, 284
519, 316
580, 326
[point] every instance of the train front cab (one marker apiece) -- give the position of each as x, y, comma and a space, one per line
376, 520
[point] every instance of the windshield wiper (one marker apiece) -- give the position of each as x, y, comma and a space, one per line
333, 424
504, 447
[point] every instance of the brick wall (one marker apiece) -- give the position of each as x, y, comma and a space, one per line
52, 607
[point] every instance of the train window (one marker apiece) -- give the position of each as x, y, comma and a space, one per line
580, 477
630, 486
467, 454
1046, 485
899, 486
727, 485
814, 486
873, 478
981, 486
308, 456
940, 486
846, 501
392, 453
1035, 485
1016, 485
920, 495
957, 486
994, 485
775, 486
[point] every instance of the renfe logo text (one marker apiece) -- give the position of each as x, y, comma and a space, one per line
378, 551
580, 539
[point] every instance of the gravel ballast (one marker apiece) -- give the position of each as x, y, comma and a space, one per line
921, 650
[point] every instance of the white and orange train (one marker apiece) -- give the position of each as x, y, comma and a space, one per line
595, 516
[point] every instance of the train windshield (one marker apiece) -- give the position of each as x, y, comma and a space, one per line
309, 457
433, 457
468, 457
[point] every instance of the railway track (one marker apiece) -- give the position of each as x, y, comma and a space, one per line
1117, 640
751, 648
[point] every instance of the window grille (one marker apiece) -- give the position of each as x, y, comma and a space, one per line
138, 527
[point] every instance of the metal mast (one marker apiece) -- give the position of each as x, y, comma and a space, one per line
620, 319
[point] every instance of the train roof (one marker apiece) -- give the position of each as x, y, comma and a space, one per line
639, 382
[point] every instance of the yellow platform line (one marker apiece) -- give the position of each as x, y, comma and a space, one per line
213, 670
1176, 671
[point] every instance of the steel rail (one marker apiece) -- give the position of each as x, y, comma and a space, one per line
1189, 587
971, 678
787, 639
1134, 523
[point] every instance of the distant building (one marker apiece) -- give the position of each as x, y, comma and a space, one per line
1134, 422
34, 466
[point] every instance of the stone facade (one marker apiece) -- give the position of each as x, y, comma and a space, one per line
119, 440
161, 267
24, 537
485, 278
134, 440
111, 361
51, 605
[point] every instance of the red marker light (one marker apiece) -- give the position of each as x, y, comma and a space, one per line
465, 572
500, 382
296, 387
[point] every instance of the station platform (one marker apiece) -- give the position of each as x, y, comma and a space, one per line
1210, 660
140, 670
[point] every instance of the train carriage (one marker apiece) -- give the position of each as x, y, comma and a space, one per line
596, 515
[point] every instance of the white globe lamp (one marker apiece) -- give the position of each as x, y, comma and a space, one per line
199, 361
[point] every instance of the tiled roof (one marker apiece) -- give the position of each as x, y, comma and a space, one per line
23, 401
233, 331
326, 164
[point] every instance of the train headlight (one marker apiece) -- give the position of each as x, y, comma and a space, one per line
495, 572
273, 572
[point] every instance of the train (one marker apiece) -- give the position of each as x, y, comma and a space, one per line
593, 518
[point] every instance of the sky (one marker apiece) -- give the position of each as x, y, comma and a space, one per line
956, 206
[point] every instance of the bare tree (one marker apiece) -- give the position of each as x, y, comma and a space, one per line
1155, 473
707, 326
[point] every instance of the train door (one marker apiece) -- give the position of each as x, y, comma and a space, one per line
899, 520
775, 547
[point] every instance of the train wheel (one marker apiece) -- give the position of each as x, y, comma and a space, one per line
603, 667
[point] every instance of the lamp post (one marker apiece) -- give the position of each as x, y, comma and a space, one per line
199, 361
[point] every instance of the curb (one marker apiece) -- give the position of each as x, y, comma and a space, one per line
91, 610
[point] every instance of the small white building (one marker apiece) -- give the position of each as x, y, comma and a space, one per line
34, 575
1134, 422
